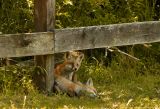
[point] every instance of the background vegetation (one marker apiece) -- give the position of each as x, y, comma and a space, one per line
120, 80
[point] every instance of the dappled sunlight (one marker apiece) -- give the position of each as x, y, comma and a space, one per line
125, 76
105, 96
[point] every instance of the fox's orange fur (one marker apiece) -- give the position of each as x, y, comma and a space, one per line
63, 68
69, 84
72, 62
74, 88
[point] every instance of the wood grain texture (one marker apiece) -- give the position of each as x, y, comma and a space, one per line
106, 36
44, 21
17, 45
50, 59
40, 15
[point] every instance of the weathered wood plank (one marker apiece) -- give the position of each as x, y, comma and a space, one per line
106, 36
16, 45
44, 21
50, 59
27, 44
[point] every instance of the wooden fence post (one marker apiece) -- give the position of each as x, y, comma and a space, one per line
44, 11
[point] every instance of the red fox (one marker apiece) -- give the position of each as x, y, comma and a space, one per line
65, 78
71, 64
74, 88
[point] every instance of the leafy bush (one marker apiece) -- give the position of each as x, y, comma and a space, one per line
16, 16
15, 79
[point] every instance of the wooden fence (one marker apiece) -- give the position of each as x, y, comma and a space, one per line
43, 43
62, 40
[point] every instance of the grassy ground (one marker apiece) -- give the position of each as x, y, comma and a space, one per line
125, 83
141, 92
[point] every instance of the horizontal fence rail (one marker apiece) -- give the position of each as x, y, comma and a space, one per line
28, 44
16, 45
107, 36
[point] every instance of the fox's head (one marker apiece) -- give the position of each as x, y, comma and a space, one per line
91, 91
74, 57
88, 89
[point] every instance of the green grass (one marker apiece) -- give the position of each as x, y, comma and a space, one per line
125, 83
139, 92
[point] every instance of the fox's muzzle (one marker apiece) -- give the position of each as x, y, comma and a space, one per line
75, 69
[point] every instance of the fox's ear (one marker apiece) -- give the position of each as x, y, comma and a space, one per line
81, 56
89, 82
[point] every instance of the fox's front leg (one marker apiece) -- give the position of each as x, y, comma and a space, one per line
57, 89
73, 77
